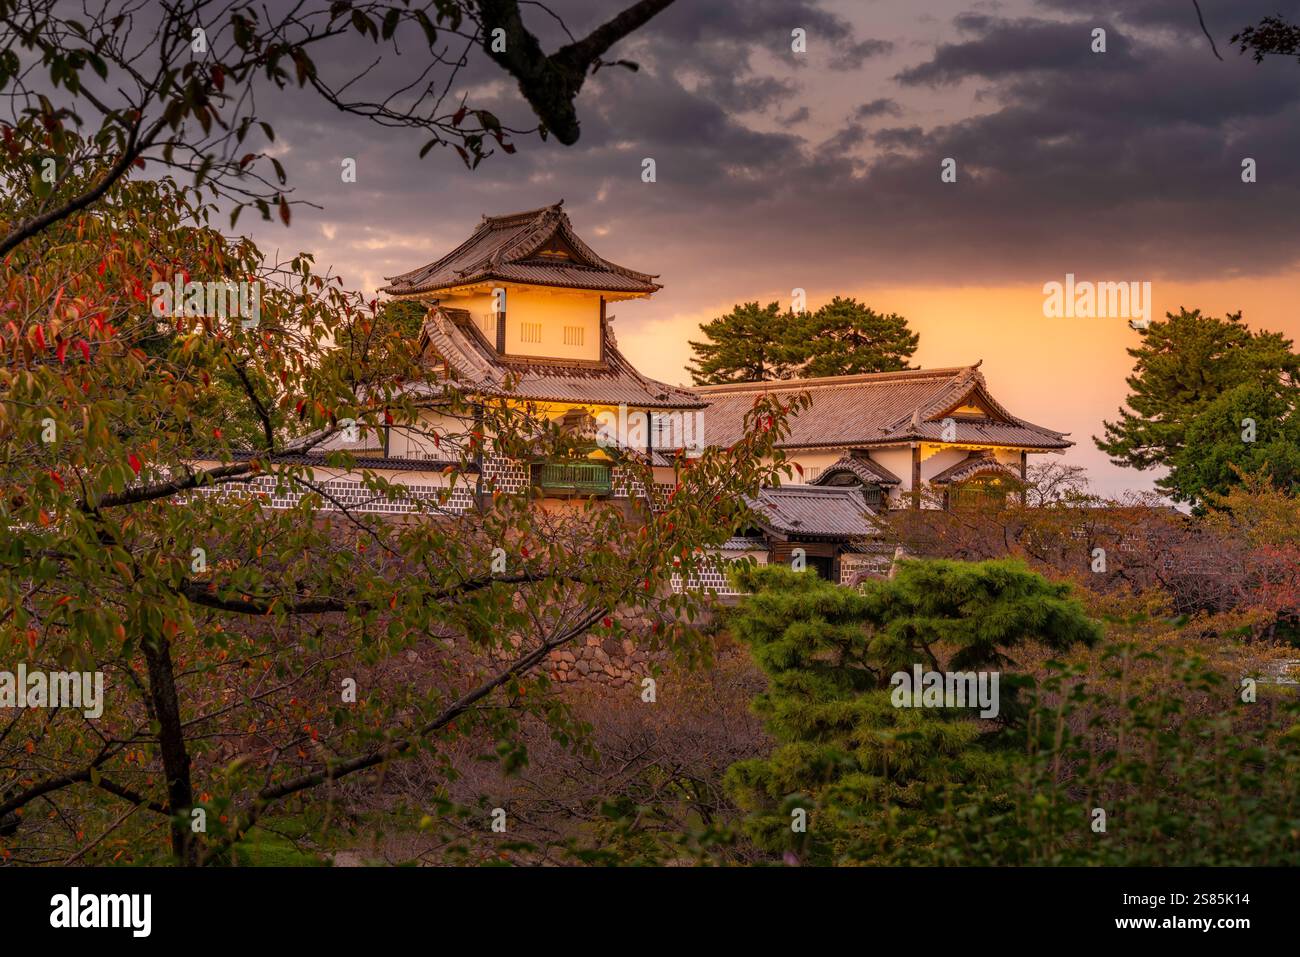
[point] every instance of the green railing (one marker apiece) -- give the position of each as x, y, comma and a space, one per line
580, 478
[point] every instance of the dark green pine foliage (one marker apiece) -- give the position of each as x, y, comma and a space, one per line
748, 344
846, 337
843, 337
1178, 410
1252, 428
858, 765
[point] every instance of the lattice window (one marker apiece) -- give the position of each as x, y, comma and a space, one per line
530, 332
284, 492
574, 335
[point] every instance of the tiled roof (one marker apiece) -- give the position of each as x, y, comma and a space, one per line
361, 461
857, 464
478, 368
368, 440
807, 511
973, 464
883, 408
509, 249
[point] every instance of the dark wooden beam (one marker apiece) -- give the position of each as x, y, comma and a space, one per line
1024, 477
916, 475
604, 325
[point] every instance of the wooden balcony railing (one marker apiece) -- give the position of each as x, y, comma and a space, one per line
578, 478
875, 497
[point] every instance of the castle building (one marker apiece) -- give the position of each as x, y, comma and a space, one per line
518, 313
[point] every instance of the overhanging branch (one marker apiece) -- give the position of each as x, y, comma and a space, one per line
551, 83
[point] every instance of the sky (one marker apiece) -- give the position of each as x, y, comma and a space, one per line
821, 170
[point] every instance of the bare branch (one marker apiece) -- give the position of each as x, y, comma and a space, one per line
1204, 29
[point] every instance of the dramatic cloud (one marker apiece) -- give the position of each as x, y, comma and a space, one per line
882, 106
1005, 48
1066, 159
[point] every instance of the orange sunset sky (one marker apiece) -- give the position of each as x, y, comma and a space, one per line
1065, 373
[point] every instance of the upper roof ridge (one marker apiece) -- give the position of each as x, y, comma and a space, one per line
515, 219
501, 249
768, 385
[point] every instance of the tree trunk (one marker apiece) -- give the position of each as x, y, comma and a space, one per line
171, 740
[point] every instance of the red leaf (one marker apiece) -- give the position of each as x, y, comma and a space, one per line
62, 351
38, 334
58, 479
103, 264
84, 346
135, 463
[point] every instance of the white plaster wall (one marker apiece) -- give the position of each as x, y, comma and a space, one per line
405, 443
898, 461
813, 461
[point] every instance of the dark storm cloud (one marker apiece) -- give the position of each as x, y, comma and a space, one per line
895, 138
844, 141
1120, 163
1129, 159
854, 55
1008, 47
762, 23
1222, 17
883, 106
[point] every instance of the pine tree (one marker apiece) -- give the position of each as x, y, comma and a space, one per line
748, 344
845, 755
1184, 364
846, 337
1252, 429
843, 337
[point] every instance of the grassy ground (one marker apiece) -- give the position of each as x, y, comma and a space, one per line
283, 842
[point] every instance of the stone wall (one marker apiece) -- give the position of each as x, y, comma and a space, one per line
604, 660
610, 661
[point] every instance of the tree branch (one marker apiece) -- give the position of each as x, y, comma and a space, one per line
205, 595
463, 704
1204, 29
551, 83
130, 154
